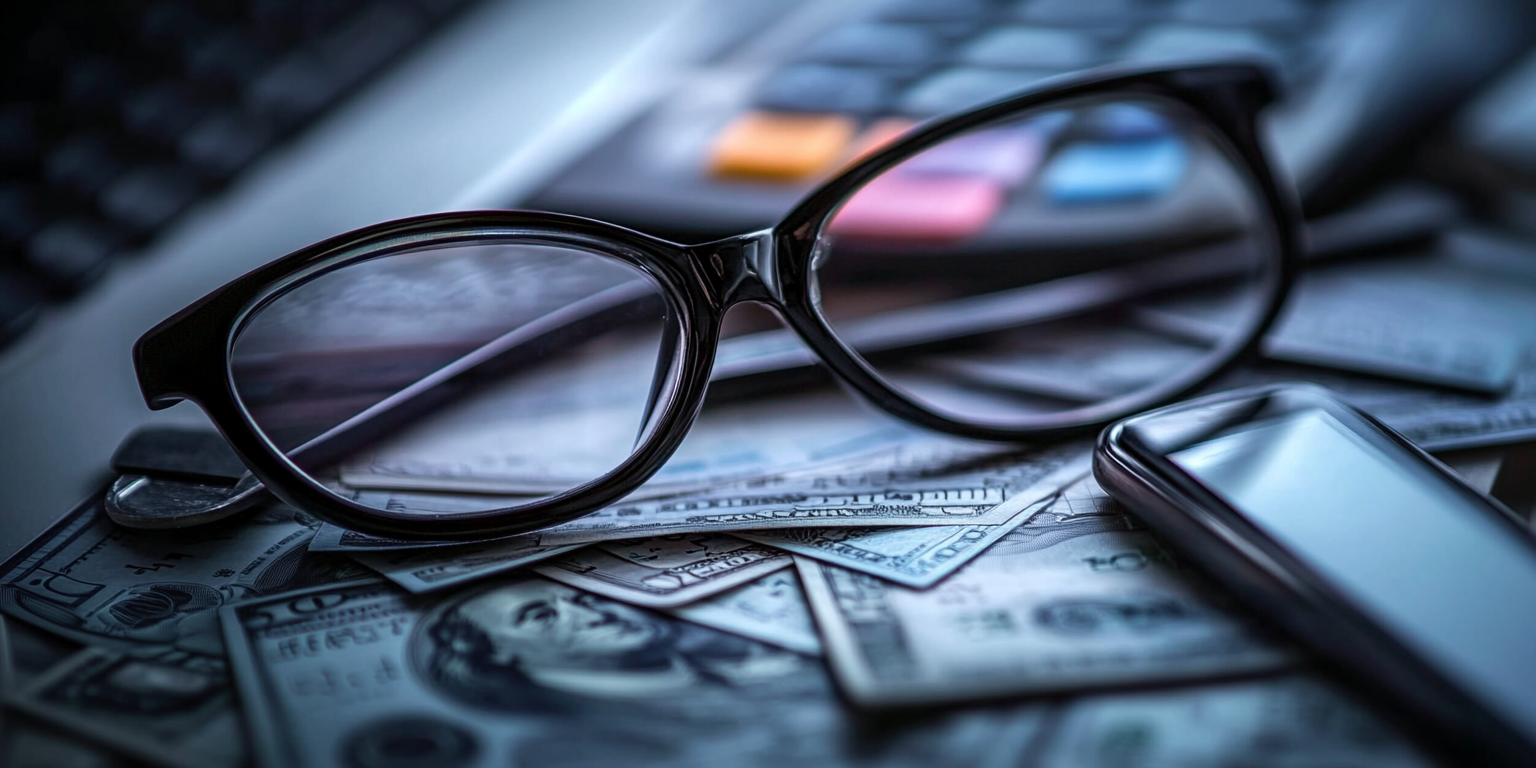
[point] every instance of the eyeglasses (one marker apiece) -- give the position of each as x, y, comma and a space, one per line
1031, 269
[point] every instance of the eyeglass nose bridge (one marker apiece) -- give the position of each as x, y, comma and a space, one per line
739, 269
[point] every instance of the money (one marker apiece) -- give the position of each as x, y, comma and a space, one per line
925, 486
467, 450
168, 708
1288, 722
532, 672
93, 582
665, 571
425, 570
32, 744
915, 557
771, 610
1070, 601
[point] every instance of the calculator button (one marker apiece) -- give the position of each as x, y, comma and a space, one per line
875, 44
1242, 13
902, 207
814, 88
1126, 122
1037, 48
1008, 156
1178, 43
957, 89
927, 10
1085, 13
1101, 172
786, 147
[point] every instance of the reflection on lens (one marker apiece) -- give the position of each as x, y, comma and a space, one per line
1052, 267
543, 365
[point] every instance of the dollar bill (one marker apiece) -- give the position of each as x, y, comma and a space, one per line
532, 672
26, 652
425, 570
29, 743
925, 485
1063, 604
167, 708
665, 571
466, 448
93, 582
771, 610
915, 557
1293, 721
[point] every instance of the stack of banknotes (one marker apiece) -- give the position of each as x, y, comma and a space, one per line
806, 583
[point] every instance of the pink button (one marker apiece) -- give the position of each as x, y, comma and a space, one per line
910, 207
1007, 155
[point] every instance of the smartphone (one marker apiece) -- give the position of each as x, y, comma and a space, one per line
1355, 542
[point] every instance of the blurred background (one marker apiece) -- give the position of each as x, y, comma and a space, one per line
151, 150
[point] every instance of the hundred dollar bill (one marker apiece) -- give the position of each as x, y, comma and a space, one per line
915, 557
30, 743
665, 571
1287, 722
532, 672
167, 708
94, 582
924, 486
1063, 604
771, 610
425, 570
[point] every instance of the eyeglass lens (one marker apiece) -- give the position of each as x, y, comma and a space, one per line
1063, 263
541, 367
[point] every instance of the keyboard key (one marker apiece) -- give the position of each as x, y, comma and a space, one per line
1099, 172
908, 207
957, 89
161, 113
145, 198
787, 147
875, 44
224, 142
20, 135
1032, 48
293, 89
21, 214
21, 302
70, 254
815, 88
83, 164
230, 58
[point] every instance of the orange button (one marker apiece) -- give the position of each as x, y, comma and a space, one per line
764, 145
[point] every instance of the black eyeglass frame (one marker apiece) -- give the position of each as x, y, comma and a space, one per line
188, 355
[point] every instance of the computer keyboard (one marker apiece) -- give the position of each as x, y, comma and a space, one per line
117, 115
767, 119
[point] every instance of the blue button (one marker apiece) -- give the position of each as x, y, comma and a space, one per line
1099, 172
957, 89
814, 88
877, 44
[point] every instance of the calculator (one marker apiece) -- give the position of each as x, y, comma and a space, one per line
780, 108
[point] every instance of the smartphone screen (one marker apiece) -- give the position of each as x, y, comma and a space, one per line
1396, 538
